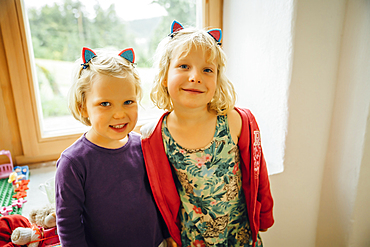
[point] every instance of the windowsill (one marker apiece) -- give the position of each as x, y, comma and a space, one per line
67, 125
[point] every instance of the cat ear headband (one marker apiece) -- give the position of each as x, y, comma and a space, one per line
88, 54
216, 33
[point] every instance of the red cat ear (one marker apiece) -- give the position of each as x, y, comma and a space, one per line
128, 54
176, 26
216, 34
87, 54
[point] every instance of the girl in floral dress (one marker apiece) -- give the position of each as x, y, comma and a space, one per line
204, 158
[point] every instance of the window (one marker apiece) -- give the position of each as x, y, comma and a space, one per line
60, 28
264, 52
36, 86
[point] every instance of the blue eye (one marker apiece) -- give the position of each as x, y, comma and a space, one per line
184, 66
208, 70
105, 104
128, 102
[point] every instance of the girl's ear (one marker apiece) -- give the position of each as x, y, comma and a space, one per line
83, 111
87, 54
176, 26
164, 82
216, 34
128, 54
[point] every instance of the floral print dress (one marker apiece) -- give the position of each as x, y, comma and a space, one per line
213, 210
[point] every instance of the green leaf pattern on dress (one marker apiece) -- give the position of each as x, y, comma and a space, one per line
213, 210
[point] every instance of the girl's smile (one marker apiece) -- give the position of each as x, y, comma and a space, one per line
119, 127
192, 90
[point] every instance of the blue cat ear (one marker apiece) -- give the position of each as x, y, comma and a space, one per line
128, 54
176, 26
87, 54
216, 34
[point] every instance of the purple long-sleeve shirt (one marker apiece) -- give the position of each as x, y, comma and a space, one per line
103, 197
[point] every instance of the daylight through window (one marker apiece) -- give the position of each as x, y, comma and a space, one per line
60, 28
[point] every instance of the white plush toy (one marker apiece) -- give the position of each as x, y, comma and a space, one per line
24, 235
42, 218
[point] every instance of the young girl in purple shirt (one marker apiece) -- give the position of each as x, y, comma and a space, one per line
103, 197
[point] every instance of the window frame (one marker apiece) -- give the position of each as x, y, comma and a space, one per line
17, 86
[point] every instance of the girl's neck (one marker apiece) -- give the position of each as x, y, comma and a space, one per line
190, 117
192, 129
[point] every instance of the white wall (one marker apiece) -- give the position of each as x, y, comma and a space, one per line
348, 132
359, 234
302, 61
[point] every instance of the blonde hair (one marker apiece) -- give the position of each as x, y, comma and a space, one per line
106, 62
183, 41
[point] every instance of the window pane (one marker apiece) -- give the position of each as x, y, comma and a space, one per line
60, 28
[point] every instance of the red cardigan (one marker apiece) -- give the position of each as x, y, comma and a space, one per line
255, 182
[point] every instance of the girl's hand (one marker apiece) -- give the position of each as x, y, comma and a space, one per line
171, 242
263, 230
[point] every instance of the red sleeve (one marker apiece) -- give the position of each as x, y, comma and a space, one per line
161, 181
256, 181
264, 193
264, 196
7, 225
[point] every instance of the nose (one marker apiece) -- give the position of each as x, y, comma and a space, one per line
119, 113
195, 76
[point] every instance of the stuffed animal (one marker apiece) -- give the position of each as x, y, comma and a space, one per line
27, 236
43, 228
44, 217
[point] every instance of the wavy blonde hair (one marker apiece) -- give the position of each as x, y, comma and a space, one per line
183, 41
106, 62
